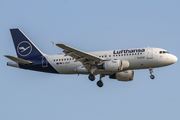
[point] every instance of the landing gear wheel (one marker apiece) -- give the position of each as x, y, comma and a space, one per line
152, 76
91, 77
151, 72
100, 83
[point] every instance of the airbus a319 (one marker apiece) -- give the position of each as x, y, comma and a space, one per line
117, 64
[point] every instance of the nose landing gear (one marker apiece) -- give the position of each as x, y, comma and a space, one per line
152, 76
151, 72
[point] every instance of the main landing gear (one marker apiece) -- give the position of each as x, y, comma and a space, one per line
99, 83
151, 72
91, 77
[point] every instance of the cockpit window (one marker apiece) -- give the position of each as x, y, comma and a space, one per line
163, 52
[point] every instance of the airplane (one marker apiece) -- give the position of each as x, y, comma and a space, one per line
117, 64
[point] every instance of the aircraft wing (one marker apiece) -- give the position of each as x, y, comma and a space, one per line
18, 60
81, 56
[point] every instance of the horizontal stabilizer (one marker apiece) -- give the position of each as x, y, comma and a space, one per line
18, 60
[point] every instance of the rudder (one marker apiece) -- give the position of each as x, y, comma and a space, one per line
24, 47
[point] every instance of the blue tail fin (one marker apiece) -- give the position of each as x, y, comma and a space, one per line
24, 47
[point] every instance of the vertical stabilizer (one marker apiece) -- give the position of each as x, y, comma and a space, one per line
24, 47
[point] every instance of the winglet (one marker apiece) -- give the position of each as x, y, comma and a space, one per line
53, 43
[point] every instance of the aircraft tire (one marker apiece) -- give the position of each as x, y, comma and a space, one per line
152, 76
91, 77
100, 83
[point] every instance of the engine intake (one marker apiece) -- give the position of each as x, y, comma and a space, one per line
114, 65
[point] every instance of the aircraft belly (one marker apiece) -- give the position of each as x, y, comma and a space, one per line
134, 64
67, 69
140, 63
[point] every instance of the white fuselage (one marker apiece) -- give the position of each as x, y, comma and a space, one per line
150, 58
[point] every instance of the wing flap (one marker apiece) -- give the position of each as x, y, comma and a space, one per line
18, 60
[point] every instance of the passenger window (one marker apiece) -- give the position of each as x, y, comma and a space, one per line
129, 54
105, 55
56, 59
160, 52
67, 59
59, 59
113, 55
124, 54
121, 54
141, 53
109, 55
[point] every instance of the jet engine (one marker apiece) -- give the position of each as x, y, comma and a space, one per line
127, 75
114, 65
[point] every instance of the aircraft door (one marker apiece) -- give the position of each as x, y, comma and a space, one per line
149, 53
44, 62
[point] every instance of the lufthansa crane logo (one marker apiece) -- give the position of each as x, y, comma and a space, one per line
24, 48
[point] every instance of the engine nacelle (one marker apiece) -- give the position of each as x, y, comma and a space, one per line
115, 65
127, 75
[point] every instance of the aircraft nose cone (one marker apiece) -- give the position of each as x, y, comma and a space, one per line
174, 59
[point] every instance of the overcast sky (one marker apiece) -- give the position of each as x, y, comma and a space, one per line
93, 25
